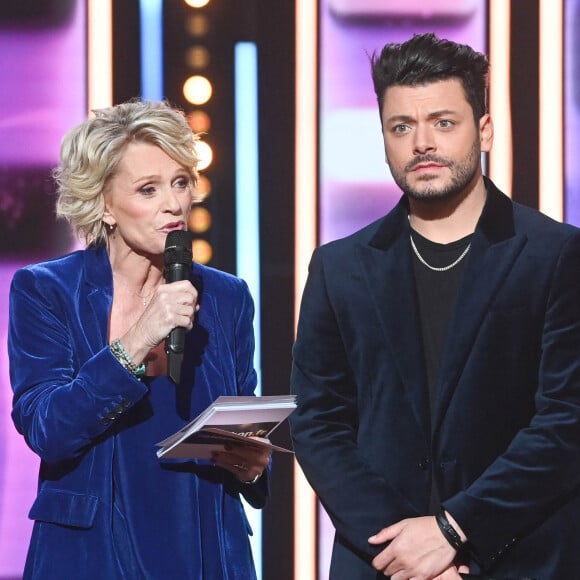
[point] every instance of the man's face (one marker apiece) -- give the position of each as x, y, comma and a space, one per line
432, 144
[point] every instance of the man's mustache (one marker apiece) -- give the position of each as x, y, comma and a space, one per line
427, 159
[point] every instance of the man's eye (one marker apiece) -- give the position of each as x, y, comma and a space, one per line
400, 128
446, 123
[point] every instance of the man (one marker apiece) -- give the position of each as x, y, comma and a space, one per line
437, 361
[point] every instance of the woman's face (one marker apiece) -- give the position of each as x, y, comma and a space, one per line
149, 195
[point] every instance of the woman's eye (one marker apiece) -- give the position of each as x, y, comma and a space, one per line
147, 190
182, 183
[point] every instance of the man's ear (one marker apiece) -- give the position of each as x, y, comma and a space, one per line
486, 133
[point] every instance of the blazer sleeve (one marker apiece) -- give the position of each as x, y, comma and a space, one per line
540, 470
324, 426
61, 403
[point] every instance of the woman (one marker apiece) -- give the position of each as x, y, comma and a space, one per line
88, 368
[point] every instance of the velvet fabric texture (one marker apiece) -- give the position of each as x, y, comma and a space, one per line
106, 506
504, 446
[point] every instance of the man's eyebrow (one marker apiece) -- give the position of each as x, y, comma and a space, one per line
442, 113
399, 119
410, 119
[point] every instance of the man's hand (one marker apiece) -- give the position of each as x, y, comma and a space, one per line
417, 550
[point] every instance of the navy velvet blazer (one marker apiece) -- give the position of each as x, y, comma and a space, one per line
504, 448
106, 507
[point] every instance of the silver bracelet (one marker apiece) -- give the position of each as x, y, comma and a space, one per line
123, 357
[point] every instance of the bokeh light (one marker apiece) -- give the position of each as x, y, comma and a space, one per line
197, 90
204, 155
199, 220
202, 251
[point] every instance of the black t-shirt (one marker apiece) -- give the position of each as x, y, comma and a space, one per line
436, 292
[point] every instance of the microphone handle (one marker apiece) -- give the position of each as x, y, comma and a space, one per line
176, 272
175, 341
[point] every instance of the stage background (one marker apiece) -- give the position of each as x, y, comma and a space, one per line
43, 67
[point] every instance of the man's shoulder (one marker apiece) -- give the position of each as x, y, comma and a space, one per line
364, 235
503, 213
533, 221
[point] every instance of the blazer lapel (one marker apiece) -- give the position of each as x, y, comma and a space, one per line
386, 265
98, 280
494, 248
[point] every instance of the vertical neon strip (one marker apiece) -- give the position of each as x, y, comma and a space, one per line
100, 54
572, 112
248, 215
247, 176
551, 182
305, 228
501, 155
151, 20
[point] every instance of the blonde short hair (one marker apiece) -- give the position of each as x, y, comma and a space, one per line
91, 151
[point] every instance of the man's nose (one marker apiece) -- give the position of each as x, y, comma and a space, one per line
424, 140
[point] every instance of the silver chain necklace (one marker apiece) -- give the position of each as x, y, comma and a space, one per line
443, 268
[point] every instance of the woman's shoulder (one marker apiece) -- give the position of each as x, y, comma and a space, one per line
217, 280
221, 291
66, 262
61, 271
63, 261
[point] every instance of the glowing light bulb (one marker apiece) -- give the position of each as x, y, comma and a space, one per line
204, 155
197, 90
197, 3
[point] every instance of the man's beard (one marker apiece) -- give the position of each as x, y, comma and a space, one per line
462, 173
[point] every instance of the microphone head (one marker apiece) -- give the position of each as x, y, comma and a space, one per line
178, 248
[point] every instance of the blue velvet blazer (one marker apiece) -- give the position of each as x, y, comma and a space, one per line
106, 507
504, 446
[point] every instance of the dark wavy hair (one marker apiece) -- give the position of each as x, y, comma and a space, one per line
425, 59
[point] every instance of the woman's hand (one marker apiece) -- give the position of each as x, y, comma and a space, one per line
246, 462
172, 305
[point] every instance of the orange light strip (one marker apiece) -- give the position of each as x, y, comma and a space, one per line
100, 53
305, 228
501, 155
551, 180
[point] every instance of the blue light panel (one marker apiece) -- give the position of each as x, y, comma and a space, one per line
248, 214
151, 19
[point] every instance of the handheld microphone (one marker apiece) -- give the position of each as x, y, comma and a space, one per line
177, 258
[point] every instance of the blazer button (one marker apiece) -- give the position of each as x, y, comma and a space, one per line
425, 463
